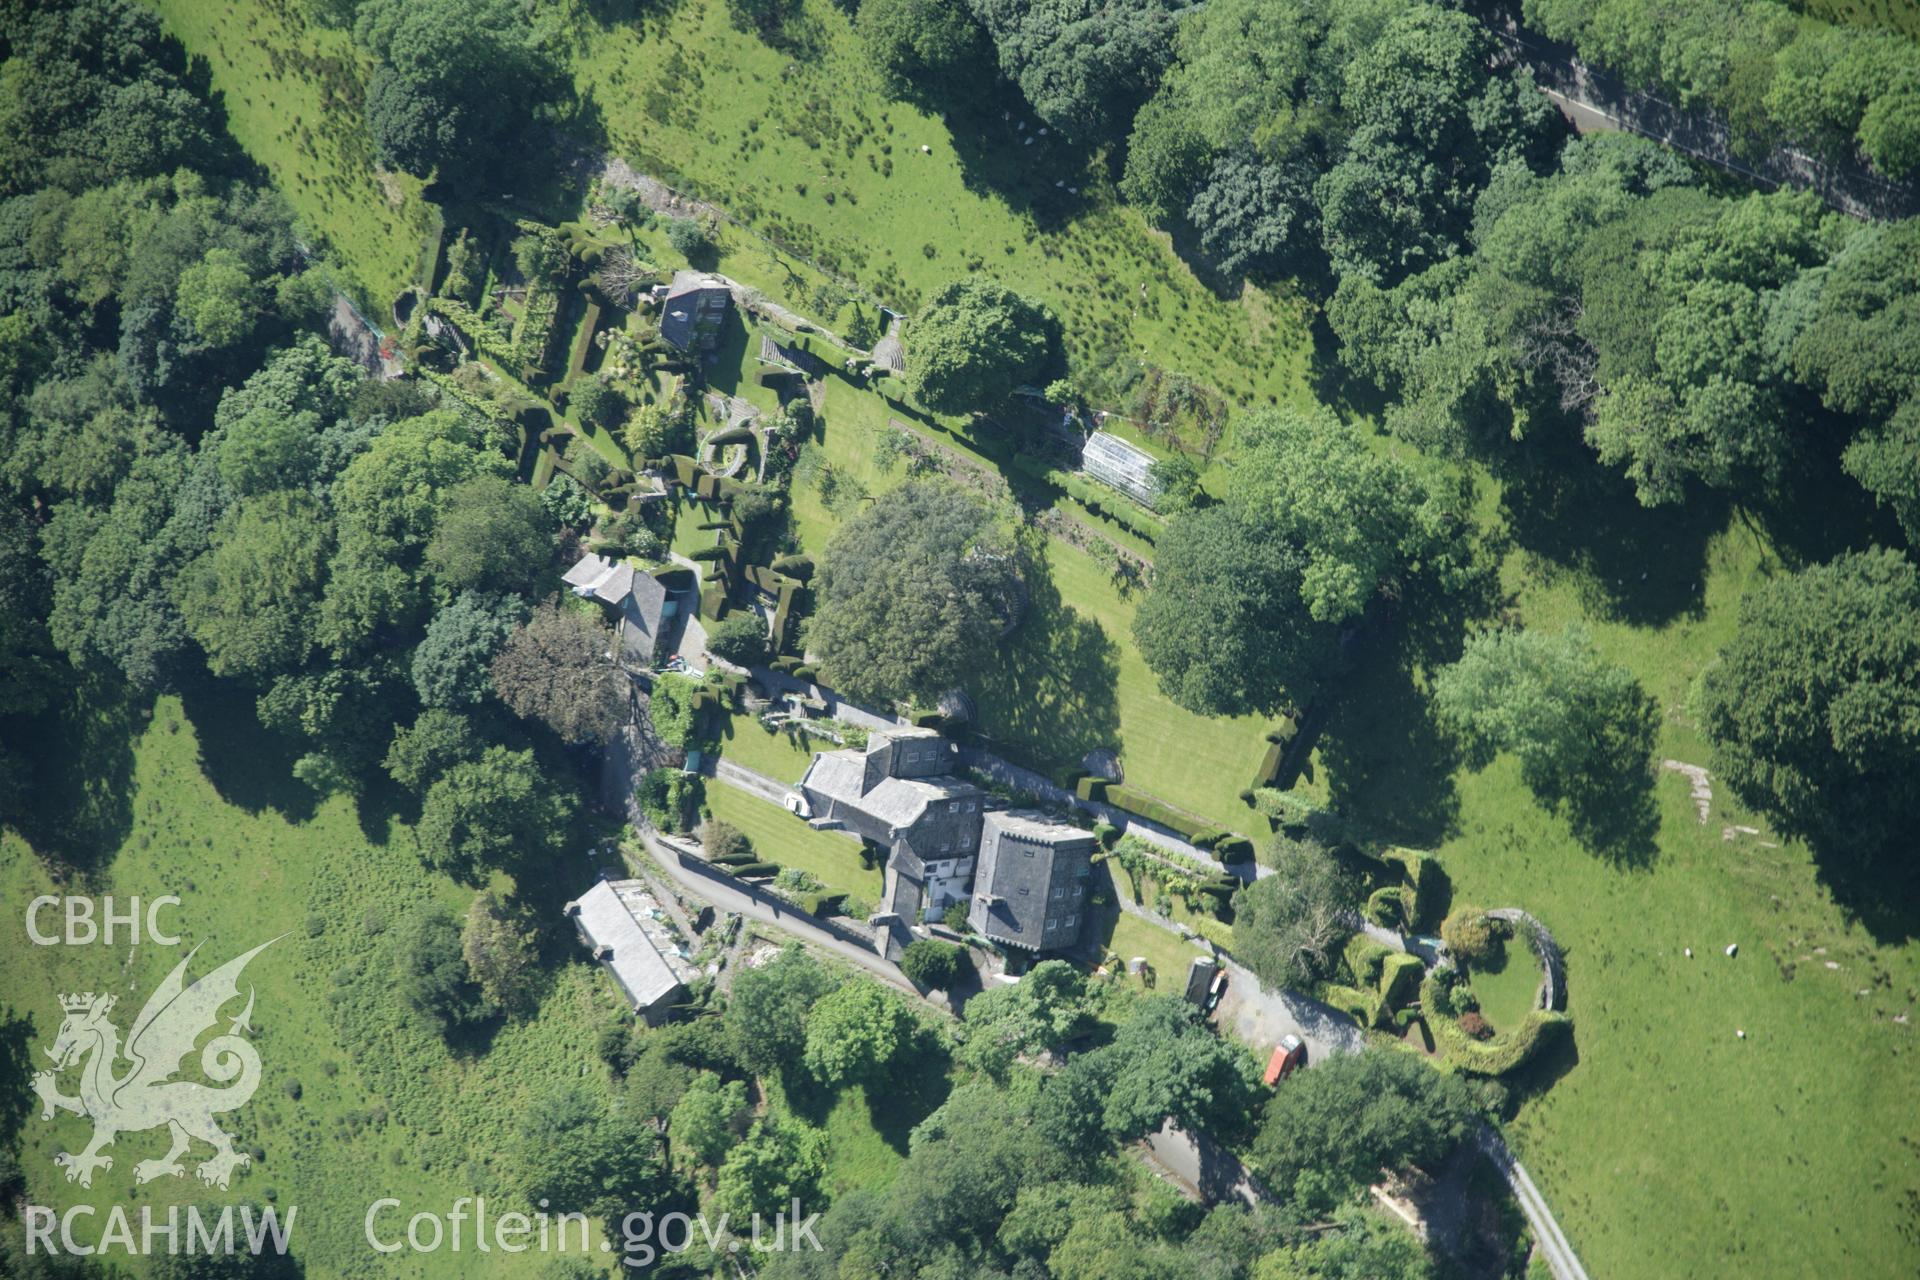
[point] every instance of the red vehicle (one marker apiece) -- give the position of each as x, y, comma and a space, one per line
1291, 1052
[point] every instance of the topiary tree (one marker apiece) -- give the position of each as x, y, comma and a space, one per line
975, 342
739, 638
723, 840
594, 400
1470, 935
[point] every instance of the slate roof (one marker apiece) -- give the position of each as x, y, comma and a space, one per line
601, 578
1025, 856
641, 960
692, 309
637, 594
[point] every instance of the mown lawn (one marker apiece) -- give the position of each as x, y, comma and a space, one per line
1131, 936
291, 89
1073, 681
780, 837
784, 755
358, 1098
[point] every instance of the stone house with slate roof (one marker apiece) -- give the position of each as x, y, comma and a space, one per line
636, 595
902, 795
1034, 881
692, 310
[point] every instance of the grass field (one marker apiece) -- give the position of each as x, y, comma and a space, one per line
1665, 1144
292, 92
1791, 1152
357, 1099
800, 144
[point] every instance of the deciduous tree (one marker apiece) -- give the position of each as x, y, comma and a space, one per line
1225, 628
556, 668
854, 1034
1814, 706
1327, 1135
492, 535
1579, 724
1288, 926
767, 1014
912, 594
499, 948
976, 341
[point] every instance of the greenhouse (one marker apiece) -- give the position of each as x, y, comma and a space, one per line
1113, 461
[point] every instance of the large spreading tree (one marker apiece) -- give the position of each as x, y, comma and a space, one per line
1084, 65
1368, 524
457, 80
975, 342
1225, 628
912, 594
1579, 724
557, 668
1814, 706
1288, 926
1331, 1131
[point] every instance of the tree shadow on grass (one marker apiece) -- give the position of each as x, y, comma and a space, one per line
1614, 817
1634, 564
249, 765
1017, 166
1883, 895
1053, 696
915, 1091
1388, 766
78, 806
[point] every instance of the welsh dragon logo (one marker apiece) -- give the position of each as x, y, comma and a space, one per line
145, 1095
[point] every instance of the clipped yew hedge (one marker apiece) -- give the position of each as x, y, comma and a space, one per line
1508, 1051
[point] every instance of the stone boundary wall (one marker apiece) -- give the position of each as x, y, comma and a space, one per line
1553, 983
